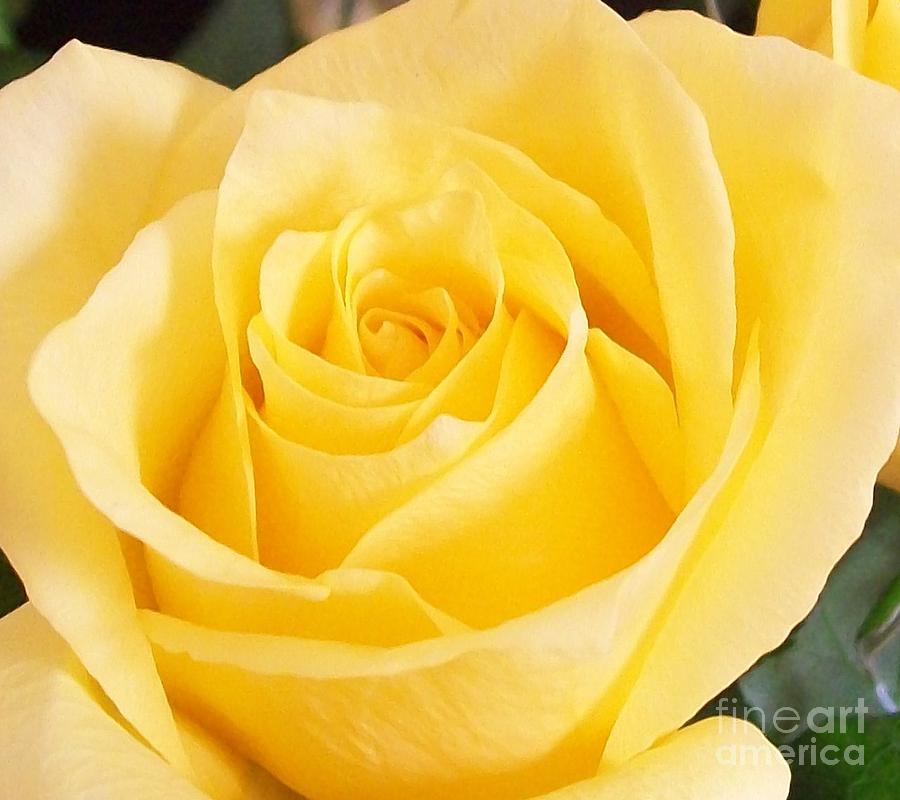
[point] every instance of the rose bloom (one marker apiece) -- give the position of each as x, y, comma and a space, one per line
860, 34
447, 413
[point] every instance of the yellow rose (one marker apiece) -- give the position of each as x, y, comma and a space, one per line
861, 34
449, 412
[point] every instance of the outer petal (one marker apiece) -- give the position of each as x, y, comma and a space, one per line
717, 759
876, 54
817, 254
83, 141
59, 740
881, 62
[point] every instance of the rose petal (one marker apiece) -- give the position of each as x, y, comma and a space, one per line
303, 416
309, 531
60, 740
882, 57
890, 474
716, 759
331, 381
807, 22
57, 739
816, 264
848, 31
647, 407
83, 146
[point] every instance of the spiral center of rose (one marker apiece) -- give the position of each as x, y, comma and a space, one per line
410, 352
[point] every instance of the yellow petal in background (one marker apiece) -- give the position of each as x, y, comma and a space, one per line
67, 218
882, 56
849, 19
807, 22
866, 33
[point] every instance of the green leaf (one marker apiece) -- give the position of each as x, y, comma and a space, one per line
17, 62
883, 618
879, 644
825, 662
7, 36
10, 13
12, 595
867, 762
238, 39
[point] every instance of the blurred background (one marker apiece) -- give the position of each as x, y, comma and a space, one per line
226, 40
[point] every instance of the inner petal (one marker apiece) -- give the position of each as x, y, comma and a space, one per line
295, 288
395, 344
445, 242
447, 330
333, 381
300, 414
